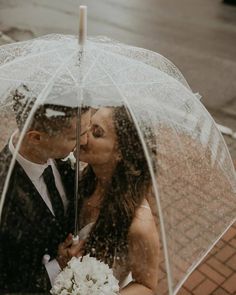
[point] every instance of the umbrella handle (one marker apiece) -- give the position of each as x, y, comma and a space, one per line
82, 24
75, 239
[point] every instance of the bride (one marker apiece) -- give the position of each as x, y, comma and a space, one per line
115, 218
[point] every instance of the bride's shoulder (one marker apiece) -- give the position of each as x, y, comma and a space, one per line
143, 222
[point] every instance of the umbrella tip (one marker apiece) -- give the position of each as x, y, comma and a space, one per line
82, 24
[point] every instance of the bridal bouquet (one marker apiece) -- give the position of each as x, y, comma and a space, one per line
85, 276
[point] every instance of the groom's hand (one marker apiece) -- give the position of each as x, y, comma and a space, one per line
67, 250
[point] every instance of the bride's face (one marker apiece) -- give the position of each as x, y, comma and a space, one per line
101, 148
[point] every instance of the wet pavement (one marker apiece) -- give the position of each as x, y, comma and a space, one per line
198, 36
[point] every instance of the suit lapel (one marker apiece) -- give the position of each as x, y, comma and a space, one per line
20, 185
67, 177
31, 201
25, 194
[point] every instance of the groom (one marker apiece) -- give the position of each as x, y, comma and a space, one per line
36, 216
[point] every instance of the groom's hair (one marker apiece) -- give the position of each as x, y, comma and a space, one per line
47, 118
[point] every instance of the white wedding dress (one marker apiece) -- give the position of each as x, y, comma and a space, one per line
120, 271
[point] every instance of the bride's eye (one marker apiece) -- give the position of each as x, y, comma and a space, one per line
97, 131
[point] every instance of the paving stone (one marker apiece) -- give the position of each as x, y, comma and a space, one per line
232, 262
225, 253
219, 267
220, 244
233, 242
211, 273
230, 284
205, 288
183, 291
194, 280
220, 291
230, 234
161, 274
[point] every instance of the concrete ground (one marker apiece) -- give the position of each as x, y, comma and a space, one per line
199, 36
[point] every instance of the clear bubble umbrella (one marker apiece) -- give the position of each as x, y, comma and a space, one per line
193, 179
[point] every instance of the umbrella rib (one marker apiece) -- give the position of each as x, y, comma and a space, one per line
68, 70
102, 85
224, 144
89, 70
91, 67
117, 72
26, 81
165, 111
55, 74
15, 43
45, 71
200, 105
113, 54
18, 60
137, 62
128, 84
193, 267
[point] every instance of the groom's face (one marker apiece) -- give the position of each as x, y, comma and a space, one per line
61, 144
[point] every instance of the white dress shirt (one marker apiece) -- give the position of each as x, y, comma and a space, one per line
34, 171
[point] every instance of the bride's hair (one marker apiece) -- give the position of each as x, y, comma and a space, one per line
129, 185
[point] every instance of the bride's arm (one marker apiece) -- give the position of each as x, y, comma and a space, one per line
143, 254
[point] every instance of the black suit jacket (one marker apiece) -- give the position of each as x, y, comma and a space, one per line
28, 229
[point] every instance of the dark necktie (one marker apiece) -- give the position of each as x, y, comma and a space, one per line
54, 195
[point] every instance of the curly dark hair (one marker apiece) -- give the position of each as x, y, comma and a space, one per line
129, 184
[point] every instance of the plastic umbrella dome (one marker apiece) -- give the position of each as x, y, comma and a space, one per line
193, 178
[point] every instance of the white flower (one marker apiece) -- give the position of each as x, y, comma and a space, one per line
86, 276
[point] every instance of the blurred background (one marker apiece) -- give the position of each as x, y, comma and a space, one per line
198, 36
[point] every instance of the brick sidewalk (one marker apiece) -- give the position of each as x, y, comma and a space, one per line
217, 274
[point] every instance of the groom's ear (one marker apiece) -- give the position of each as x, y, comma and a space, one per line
34, 136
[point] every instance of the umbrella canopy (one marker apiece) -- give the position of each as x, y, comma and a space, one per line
193, 179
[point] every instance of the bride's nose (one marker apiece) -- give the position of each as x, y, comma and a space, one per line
84, 138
